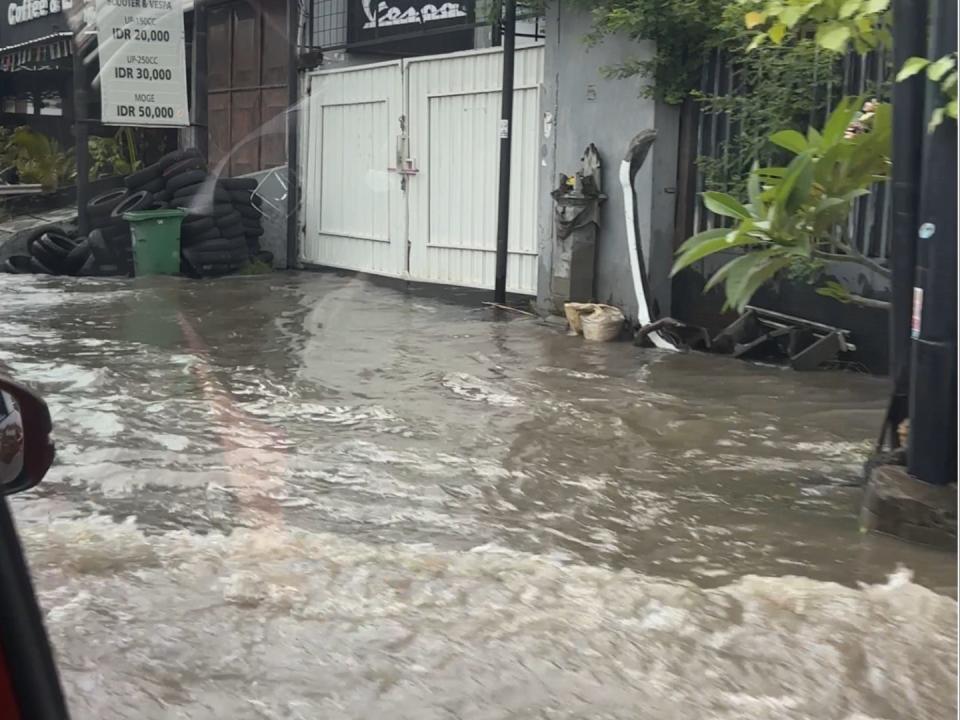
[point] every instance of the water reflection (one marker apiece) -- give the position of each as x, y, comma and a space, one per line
310, 496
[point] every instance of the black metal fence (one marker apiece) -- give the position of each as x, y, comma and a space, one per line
858, 75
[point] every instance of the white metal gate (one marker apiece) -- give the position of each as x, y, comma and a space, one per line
402, 163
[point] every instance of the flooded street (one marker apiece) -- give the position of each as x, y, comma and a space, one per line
312, 497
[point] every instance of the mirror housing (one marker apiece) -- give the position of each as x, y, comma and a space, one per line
26, 449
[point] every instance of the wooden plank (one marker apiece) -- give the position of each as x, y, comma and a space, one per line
218, 118
244, 135
273, 149
246, 46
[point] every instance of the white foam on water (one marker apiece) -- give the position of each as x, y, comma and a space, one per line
279, 622
470, 387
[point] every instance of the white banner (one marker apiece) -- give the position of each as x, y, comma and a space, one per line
143, 68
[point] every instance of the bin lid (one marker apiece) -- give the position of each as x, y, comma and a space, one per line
140, 215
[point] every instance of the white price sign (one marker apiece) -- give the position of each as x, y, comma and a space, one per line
143, 75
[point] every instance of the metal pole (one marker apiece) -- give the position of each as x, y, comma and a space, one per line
82, 149
932, 449
201, 137
293, 98
506, 120
909, 39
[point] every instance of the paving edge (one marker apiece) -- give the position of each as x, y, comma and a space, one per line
895, 503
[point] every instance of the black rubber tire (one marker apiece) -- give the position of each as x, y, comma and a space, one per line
204, 190
139, 200
31, 234
100, 249
223, 210
57, 243
241, 196
191, 177
203, 264
142, 177
233, 231
102, 205
248, 184
193, 208
89, 267
220, 244
176, 156
184, 166
77, 257
115, 230
253, 233
39, 268
187, 190
248, 211
157, 185
199, 238
18, 265
158, 205
105, 260
228, 218
197, 224
52, 251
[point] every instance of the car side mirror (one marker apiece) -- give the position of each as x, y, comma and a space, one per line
26, 450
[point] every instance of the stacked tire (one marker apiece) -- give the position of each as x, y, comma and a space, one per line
220, 233
246, 203
50, 249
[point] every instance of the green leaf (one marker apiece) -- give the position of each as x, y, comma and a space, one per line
951, 109
709, 247
911, 67
771, 173
757, 41
754, 279
949, 84
796, 170
791, 16
726, 205
936, 117
848, 8
875, 6
813, 137
835, 290
790, 140
833, 36
752, 19
838, 121
800, 192
829, 205
936, 70
884, 38
700, 237
722, 273
754, 191
777, 32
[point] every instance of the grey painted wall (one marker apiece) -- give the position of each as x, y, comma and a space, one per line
580, 105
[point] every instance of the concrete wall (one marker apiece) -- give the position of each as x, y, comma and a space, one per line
580, 105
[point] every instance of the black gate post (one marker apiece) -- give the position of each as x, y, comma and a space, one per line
293, 98
199, 61
932, 449
506, 133
909, 39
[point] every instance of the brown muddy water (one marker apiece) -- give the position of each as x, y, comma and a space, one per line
311, 497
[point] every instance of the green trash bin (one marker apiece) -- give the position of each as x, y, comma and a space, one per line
156, 240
